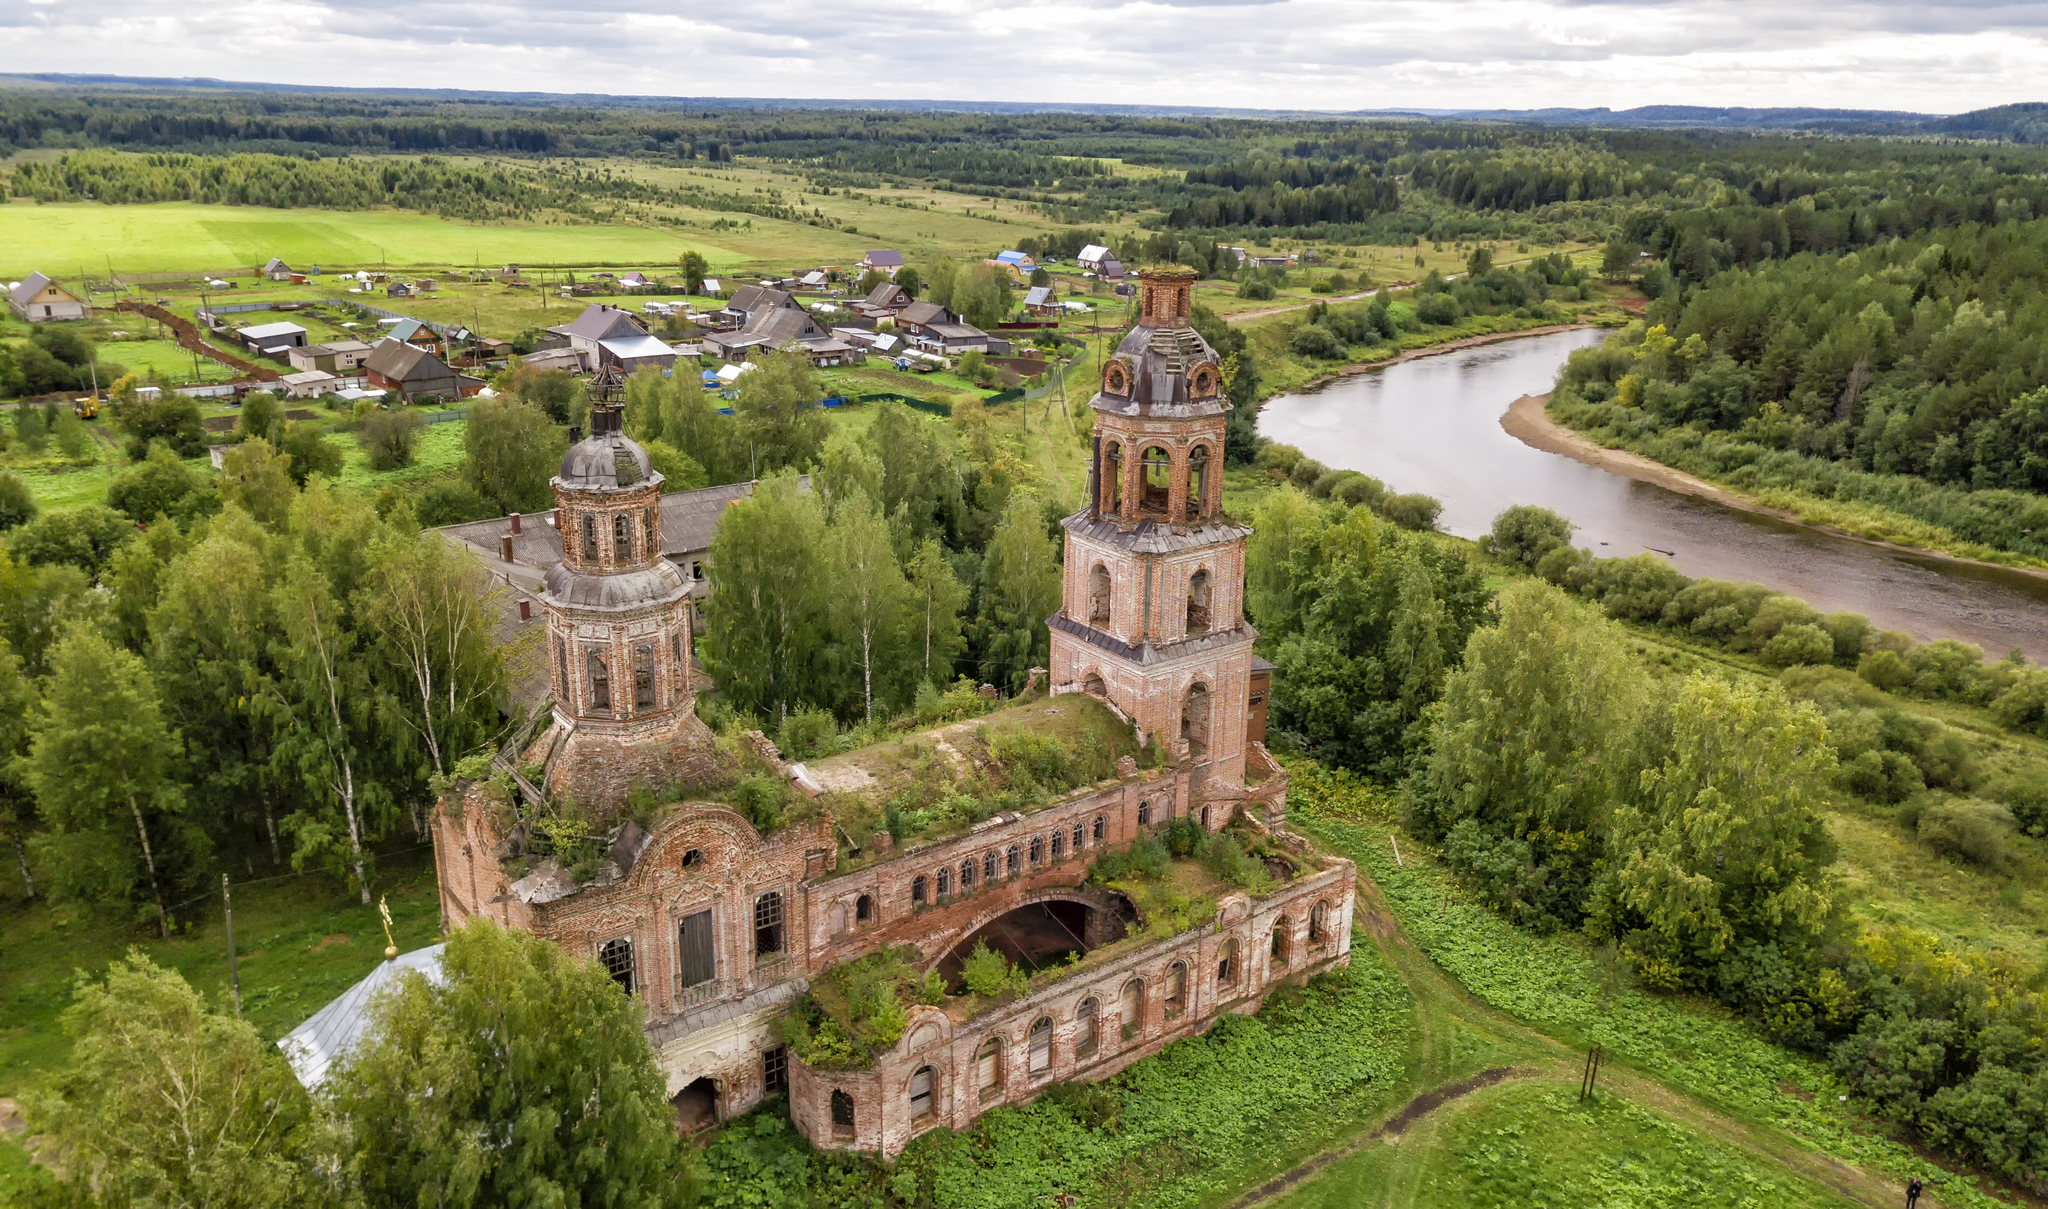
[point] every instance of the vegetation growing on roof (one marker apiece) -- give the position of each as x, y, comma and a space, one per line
858, 1009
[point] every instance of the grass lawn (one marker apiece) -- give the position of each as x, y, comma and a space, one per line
301, 940
1532, 1144
166, 357
167, 236
436, 454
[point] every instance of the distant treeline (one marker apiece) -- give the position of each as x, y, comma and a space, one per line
464, 189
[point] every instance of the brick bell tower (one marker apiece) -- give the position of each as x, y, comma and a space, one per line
618, 619
1152, 612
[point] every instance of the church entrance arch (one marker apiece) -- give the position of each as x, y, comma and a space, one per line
696, 1106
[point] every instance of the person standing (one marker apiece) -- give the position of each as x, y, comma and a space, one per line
1913, 1192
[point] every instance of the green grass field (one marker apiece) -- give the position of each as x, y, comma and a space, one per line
64, 239
301, 939
1532, 1144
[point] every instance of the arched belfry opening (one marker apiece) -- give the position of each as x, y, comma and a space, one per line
1198, 602
1197, 505
1194, 720
1155, 483
1099, 596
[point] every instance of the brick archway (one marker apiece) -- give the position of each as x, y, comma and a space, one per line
1104, 905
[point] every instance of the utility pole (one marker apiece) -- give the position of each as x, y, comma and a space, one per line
227, 903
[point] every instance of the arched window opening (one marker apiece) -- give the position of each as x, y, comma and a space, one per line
600, 678
1205, 818
1098, 596
988, 868
1038, 1058
651, 530
842, 1115
643, 677
1080, 838
692, 857
590, 537
1037, 851
1130, 1008
1059, 846
1198, 482
921, 1097
1226, 964
967, 876
1101, 828
1176, 988
1194, 719
1144, 814
675, 642
1155, 488
1086, 1033
617, 959
917, 891
1016, 860
697, 571
945, 882
622, 538
1113, 477
768, 924
988, 1066
1198, 602
864, 909
1319, 924
1282, 938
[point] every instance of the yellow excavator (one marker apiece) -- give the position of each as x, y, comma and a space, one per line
87, 408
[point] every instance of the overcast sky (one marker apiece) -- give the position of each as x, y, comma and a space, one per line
1938, 56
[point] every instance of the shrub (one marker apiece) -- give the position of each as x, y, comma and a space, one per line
1185, 837
1306, 472
389, 437
1438, 310
1315, 340
1523, 534
1259, 291
1797, 644
988, 973
807, 733
1326, 484
1359, 491
17, 504
81, 537
1225, 858
1145, 858
761, 799
1278, 459
1412, 511
1969, 829
451, 502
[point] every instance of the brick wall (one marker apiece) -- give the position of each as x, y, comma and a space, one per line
1242, 931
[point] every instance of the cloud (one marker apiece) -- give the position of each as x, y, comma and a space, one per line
1276, 54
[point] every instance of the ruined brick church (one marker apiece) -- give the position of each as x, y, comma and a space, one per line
717, 928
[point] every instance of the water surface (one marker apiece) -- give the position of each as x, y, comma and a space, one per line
1433, 425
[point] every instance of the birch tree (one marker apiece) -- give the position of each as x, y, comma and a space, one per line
869, 590
323, 712
424, 602
100, 759
936, 598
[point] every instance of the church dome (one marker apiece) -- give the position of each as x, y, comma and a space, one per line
1163, 367
610, 459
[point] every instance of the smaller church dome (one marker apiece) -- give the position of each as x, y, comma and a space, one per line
610, 459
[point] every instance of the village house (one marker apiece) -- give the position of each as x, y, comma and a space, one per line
313, 383
1019, 264
272, 339
276, 270
571, 360
37, 299
883, 302
597, 324
931, 326
720, 927
1040, 301
880, 260
336, 356
1100, 261
415, 373
629, 353
772, 319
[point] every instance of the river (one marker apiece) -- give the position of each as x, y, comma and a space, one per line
1433, 425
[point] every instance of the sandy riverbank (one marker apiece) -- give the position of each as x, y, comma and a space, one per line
1527, 421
